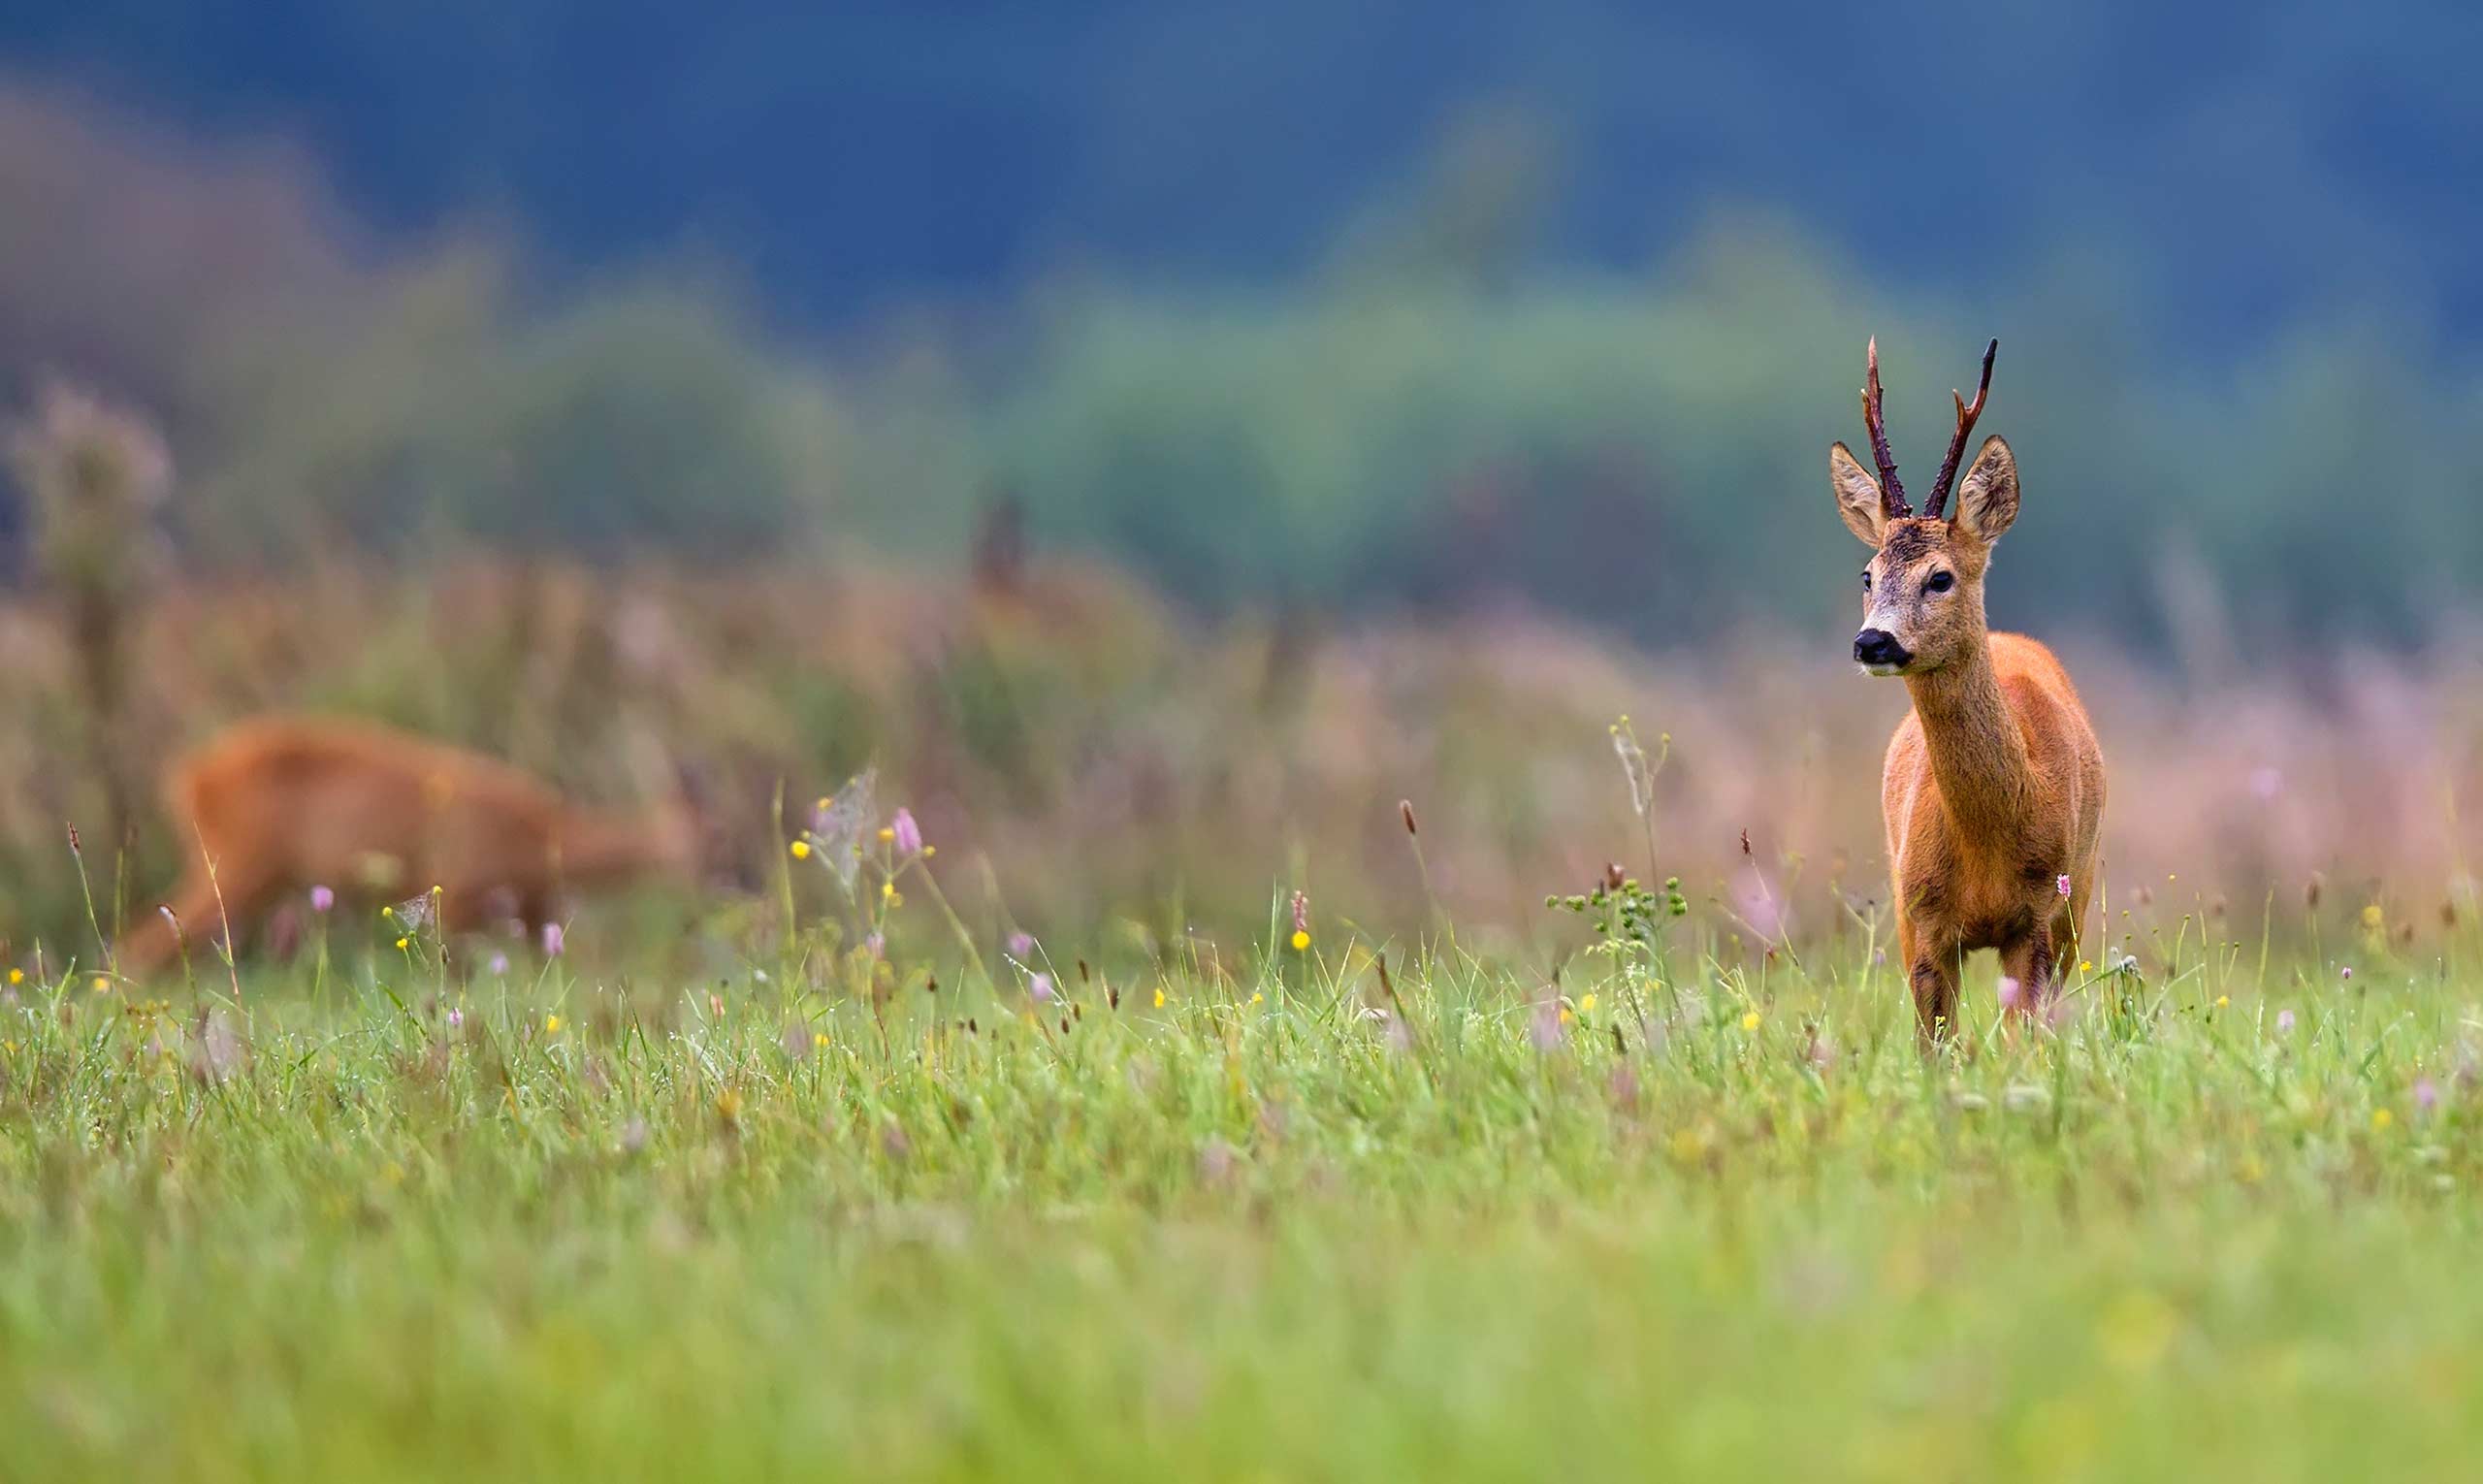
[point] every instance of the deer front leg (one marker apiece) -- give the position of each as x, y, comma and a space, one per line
1934, 975
2029, 961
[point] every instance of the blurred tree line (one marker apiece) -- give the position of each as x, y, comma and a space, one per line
1424, 416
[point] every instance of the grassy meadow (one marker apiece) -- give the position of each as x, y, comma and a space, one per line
385, 1217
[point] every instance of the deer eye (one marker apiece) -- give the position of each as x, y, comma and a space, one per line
1941, 582
1866, 582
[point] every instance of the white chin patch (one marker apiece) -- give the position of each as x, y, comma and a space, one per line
1883, 669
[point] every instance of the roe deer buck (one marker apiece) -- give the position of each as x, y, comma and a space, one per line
1993, 788
287, 803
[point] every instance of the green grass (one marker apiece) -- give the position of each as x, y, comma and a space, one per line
323, 1234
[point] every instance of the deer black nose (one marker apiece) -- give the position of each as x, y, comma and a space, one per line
1877, 646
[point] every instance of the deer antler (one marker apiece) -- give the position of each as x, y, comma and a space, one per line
1966, 416
1892, 494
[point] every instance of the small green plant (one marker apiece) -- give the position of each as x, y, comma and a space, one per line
1625, 913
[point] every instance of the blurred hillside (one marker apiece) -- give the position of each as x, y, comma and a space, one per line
1427, 420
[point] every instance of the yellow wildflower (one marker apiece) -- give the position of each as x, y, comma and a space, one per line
16, 975
402, 942
886, 834
2086, 966
801, 850
1159, 996
2222, 1001
1750, 1020
2373, 916
888, 888
1256, 998
2381, 1117
103, 986
1567, 1015
818, 1038
551, 1025
1587, 1006
930, 850
1300, 940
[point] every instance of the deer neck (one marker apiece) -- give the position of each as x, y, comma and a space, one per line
1977, 754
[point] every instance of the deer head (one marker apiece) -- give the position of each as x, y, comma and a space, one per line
1922, 590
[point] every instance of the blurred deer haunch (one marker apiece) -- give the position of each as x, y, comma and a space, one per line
282, 805
1993, 786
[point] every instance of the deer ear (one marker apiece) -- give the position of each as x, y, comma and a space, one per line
1988, 497
1858, 495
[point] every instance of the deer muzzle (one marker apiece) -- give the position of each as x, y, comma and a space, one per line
1878, 651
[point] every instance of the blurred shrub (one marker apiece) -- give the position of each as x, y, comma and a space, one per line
641, 417
321, 391
1648, 453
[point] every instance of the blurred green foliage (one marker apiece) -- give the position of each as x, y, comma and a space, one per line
1418, 423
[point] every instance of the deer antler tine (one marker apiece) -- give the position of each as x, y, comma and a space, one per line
1892, 502
1966, 416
